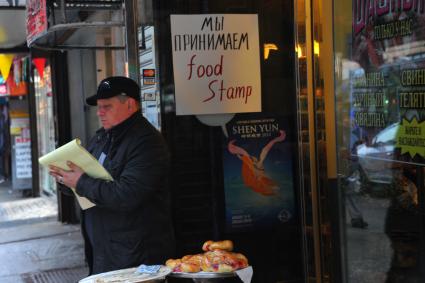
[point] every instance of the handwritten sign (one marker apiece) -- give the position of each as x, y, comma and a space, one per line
216, 62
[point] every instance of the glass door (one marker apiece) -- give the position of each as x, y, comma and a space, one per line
380, 115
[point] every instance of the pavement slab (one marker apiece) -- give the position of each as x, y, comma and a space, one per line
40, 247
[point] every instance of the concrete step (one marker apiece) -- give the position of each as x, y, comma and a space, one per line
29, 208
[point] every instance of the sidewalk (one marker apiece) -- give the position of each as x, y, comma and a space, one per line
34, 246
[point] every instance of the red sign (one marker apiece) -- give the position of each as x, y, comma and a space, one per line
148, 76
36, 20
22, 140
16, 89
149, 72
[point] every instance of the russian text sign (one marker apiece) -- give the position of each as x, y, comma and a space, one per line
216, 63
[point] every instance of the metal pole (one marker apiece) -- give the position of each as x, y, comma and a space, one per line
313, 151
131, 40
62, 11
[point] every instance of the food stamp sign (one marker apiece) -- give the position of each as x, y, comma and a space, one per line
216, 63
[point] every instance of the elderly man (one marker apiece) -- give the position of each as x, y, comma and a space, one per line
131, 222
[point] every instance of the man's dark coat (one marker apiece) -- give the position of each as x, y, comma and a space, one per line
131, 222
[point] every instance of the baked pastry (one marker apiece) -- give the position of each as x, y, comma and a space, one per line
196, 259
173, 263
225, 245
223, 261
188, 267
188, 263
217, 258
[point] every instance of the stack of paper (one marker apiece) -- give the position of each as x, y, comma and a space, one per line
74, 152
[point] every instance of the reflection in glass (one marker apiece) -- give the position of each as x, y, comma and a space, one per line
380, 104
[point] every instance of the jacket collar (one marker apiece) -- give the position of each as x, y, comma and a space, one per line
121, 128
117, 130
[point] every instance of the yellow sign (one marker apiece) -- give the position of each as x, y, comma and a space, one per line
15, 131
5, 64
411, 137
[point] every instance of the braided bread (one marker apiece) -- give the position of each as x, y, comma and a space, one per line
223, 261
216, 258
188, 263
173, 263
225, 245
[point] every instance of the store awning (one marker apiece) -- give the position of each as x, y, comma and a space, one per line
75, 24
103, 24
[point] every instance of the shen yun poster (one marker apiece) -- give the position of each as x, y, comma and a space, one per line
216, 63
258, 174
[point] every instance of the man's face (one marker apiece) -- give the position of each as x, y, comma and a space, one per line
112, 111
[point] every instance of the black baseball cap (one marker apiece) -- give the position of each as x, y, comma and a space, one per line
114, 86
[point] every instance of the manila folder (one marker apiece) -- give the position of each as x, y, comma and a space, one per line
74, 152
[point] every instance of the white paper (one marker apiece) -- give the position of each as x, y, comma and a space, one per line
245, 274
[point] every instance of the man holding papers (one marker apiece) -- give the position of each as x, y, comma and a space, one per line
130, 223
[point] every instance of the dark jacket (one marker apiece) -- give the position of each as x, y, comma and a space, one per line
131, 222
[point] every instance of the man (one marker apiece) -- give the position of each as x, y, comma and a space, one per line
131, 222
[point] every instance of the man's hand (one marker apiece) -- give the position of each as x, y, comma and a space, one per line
68, 178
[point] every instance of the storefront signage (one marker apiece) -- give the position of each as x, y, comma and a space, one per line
388, 86
411, 138
216, 63
258, 173
36, 19
365, 12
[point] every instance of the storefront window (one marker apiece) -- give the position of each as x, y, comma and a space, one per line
380, 100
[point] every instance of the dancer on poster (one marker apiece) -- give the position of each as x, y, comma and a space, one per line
258, 166
253, 172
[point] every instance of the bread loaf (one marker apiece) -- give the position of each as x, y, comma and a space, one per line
216, 258
225, 245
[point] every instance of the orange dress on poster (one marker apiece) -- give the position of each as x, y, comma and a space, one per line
253, 172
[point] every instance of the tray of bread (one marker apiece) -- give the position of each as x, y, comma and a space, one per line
217, 261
